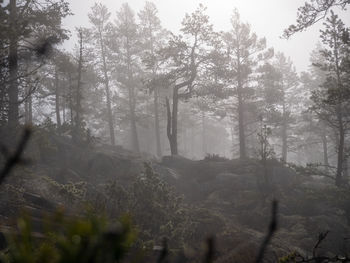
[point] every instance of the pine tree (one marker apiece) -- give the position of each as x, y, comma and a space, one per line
100, 32
331, 101
152, 38
243, 51
128, 50
27, 21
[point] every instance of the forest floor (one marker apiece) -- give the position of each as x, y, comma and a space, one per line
232, 197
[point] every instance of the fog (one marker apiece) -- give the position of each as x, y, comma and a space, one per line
267, 18
174, 131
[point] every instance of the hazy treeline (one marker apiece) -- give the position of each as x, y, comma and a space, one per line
129, 81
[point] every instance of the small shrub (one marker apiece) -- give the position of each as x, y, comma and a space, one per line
215, 158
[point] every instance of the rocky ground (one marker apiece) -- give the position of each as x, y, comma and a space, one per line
234, 191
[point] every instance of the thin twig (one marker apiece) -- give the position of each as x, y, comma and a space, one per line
321, 237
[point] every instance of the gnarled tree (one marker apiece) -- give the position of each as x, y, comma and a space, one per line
185, 54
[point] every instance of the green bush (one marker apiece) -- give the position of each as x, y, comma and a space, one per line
69, 239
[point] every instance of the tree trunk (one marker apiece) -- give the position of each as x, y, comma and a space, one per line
57, 100
172, 123
13, 110
109, 112
134, 137
156, 122
28, 107
26, 111
108, 95
173, 116
66, 96
232, 141
156, 103
345, 170
3, 105
78, 95
241, 128
325, 149
284, 133
64, 106
168, 126
340, 156
132, 104
242, 146
185, 141
172, 129
204, 142
71, 113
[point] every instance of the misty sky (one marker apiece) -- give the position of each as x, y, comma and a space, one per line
268, 18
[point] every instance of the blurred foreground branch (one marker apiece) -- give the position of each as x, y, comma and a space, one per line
311, 13
209, 255
272, 230
164, 252
16, 157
